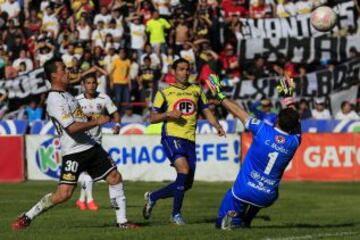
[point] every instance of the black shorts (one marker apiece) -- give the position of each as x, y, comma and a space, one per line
95, 161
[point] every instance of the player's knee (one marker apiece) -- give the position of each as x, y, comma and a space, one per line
114, 178
184, 169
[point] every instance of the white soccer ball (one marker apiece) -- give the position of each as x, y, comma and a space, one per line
323, 18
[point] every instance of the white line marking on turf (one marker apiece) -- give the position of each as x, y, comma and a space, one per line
316, 236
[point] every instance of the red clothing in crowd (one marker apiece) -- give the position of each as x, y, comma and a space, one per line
230, 8
227, 61
204, 74
169, 78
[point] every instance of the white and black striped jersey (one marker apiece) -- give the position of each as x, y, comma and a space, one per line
94, 107
63, 109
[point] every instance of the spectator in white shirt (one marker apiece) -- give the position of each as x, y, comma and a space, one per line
23, 59
155, 60
69, 55
346, 112
116, 33
131, 117
102, 16
84, 28
50, 22
320, 112
12, 8
137, 34
98, 35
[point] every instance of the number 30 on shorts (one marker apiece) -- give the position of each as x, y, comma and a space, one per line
71, 166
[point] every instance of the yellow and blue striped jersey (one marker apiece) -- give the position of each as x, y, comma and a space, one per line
189, 100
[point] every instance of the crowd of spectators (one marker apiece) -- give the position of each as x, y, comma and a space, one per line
131, 44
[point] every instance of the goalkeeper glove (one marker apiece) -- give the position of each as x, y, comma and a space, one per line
213, 83
286, 87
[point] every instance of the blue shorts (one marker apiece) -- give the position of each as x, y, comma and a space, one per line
177, 147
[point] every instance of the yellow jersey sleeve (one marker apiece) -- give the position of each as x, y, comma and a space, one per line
159, 102
203, 101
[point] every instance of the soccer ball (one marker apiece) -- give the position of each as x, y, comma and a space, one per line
323, 18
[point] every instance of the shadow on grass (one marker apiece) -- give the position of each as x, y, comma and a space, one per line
212, 220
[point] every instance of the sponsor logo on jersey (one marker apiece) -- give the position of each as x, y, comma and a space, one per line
185, 106
255, 121
68, 176
255, 175
78, 113
279, 139
48, 158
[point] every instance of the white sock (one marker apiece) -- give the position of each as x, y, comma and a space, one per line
44, 204
88, 185
82, 187
118, 202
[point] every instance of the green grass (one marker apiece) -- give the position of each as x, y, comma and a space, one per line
303, 211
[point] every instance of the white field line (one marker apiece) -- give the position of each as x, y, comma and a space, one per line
316, 236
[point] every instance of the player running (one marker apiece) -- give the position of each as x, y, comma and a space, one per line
273, 147
178, 106
93, 105
80, 151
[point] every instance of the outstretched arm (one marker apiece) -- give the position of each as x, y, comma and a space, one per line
236, 110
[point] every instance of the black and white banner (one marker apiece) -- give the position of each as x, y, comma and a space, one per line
300, 50
296, 26
32, 83
320, 83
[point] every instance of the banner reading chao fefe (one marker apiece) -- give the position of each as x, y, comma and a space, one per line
141, 157
296, 26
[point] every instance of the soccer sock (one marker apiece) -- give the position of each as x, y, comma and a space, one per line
118, 202
41, 206
250, 214
88, 184
165, 192
82, 188
179, 192
82, 193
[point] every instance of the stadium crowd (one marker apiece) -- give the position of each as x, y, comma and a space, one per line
130, 46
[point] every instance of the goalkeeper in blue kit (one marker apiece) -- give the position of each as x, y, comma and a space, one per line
272, 148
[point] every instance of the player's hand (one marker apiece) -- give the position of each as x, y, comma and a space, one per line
220, 131
213, 83
102, 120
174, 115
116, 129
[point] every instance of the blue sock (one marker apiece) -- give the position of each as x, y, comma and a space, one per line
164, 192
179, 192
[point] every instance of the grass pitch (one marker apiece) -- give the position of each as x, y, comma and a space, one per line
303, 211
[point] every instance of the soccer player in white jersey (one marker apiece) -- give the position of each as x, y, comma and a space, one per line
93, 105
80, 151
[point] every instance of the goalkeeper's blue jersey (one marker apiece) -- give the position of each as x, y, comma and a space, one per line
260, 174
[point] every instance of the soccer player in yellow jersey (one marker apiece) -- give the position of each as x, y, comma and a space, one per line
178, 106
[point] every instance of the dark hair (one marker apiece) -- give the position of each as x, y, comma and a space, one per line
87, 76
289, 120
147, 57
178, 61
344, 103
50, 67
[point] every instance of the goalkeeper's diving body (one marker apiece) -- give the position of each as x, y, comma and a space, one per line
257, 183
